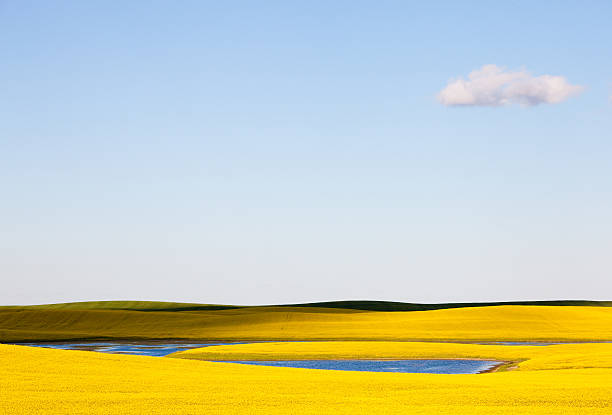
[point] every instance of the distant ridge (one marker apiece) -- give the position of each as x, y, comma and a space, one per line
399, 306
364, 305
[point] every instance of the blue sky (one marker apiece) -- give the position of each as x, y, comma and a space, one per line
233, 152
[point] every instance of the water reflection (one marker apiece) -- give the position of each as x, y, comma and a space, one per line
149, 348
439, 366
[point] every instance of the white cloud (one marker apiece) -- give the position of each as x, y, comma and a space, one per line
494, 86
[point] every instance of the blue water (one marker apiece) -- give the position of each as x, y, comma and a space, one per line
525, 343
441, 366
143, 349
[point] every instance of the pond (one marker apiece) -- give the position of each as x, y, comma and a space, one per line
164, 348
440, 366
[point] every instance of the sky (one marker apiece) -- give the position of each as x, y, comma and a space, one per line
280, 152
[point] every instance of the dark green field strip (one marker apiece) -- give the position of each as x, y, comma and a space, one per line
362, 305
399, 306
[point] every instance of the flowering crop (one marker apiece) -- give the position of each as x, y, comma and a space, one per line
45, 381
295, 323
559, 379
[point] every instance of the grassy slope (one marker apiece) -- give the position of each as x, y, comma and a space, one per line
312, 323
41, 380
123, 305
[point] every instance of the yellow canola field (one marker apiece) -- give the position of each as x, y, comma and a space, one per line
295, 323
45, 381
